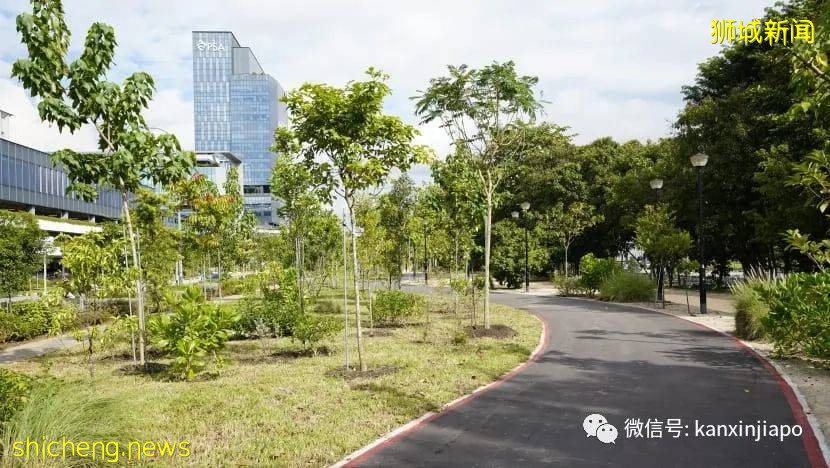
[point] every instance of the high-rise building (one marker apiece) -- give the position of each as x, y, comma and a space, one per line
236, 109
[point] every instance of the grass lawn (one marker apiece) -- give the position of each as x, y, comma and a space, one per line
269, 407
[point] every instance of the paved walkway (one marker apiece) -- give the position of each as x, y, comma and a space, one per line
35, 348
623, 363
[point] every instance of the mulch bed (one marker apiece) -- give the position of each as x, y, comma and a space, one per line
297, 353
496, 331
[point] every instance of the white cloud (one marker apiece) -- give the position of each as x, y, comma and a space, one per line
608, 68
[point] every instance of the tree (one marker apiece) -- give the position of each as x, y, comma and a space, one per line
396, 211
77, 93
481, 110
566, 223
294, 184
159, 244
663, 243
21, 248
461, 201
509, 252
95, 261
349, 145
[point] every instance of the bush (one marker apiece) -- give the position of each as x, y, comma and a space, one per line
245, 285
310, 330
751, 307
593, 271
567, 285
14, 392
278, 308
627, 286
799, 315
194, 330
393, 306
328, 307
31, 319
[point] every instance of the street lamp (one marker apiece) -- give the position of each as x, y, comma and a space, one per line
699, 160
525, 206
656, 185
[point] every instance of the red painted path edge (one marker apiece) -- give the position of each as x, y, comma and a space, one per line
363, 454
808, 438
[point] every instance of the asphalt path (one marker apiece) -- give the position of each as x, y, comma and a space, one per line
629, 365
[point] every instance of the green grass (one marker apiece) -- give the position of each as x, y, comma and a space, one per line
268, 408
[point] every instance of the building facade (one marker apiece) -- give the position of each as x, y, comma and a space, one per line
236, 109
215, 165
29, 181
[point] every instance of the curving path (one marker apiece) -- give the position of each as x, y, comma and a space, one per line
622, 362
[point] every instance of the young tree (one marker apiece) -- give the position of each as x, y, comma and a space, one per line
21, 250
76, 94
395, 215
95, 261
568, 223
293, 183
461, 201
663, 243
349, 145
159, 244
481, 110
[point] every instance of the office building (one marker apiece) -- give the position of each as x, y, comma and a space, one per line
29, 181
236, 110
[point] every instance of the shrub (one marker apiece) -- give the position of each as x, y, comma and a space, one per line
751, 307
232, 286
627, 286
328, 307
568, 285
31, 319
194, 330
310, 330
593, 271
393, 306
277, 309
799, 314
14, 392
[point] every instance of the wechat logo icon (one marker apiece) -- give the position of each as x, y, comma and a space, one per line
597, 426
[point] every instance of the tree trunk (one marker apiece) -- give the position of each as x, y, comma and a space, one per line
139, 286
566, 260
219, 283
355, 279
487, 227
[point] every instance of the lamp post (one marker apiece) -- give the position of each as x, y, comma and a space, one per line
525, 206
699, 160
656, 185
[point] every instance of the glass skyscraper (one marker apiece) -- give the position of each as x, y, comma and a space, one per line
236, 108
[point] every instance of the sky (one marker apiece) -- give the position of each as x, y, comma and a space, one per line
605, 67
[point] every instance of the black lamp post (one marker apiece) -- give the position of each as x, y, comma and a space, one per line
656, 185
699, 160
525, 206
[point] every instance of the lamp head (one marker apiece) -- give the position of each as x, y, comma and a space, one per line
699, 159
515, 214
525, 206
656, 184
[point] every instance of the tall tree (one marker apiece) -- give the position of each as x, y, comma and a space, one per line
349, 145
481, 110
76, 94
21, 250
